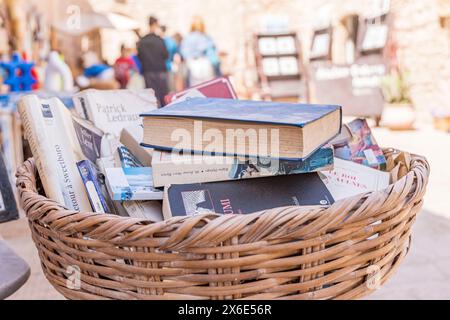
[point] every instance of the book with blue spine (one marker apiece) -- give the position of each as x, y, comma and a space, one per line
90, 176
242, 128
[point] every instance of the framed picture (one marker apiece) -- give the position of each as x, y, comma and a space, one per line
375, 37
321, 45
286, 45
267, 45
271, 67
288, 66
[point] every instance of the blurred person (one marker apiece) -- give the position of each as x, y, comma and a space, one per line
178, 66
173, 50
171, 46
124, 66
199, 51
152, 53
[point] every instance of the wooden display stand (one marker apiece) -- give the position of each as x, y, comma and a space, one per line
281, 73
352, 78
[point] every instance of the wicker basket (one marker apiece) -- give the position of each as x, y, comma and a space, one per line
345, 251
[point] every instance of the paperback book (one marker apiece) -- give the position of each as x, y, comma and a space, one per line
348, 179
90, 176
127, 159
173, 168
148, 210
113, 110
50, 132
89, 137
361, 147
245, 196
131, 137
126, 184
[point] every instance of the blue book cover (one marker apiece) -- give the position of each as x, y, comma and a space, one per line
127, 159
293, 114
126, 184
89, 137
90, 177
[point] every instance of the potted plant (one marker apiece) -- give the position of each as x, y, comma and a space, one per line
398, 112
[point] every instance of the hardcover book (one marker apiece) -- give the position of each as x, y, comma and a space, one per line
172, 168
217, 88
126, 184
89, 137
113, 110
349, 179
245, 196
237, 127
8, 208
361, 147
51, 135
90, 176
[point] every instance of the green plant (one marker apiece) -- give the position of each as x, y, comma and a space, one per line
395, 87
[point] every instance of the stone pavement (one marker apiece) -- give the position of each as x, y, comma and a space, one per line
425, 272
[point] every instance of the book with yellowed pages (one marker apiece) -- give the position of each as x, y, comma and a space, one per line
243, 128
172, 168
49, 129
348, 179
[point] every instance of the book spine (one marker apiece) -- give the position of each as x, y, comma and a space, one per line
53, 150
39, 143
93, 189
198, 169
80, 102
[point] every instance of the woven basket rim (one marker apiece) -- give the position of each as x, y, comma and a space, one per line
49, 210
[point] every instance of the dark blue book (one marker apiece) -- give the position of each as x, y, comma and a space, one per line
246, 196
89, 137
91, 177
242, 128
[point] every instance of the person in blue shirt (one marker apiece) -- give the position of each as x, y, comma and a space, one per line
199, 51
171, 46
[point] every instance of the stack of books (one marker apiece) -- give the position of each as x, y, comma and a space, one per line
118, 153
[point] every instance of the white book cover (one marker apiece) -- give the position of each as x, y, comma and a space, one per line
348, 179
113, 110
49, 130
149, 210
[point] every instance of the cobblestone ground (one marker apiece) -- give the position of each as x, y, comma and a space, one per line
425, 273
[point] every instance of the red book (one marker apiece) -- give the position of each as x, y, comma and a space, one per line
216, 88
